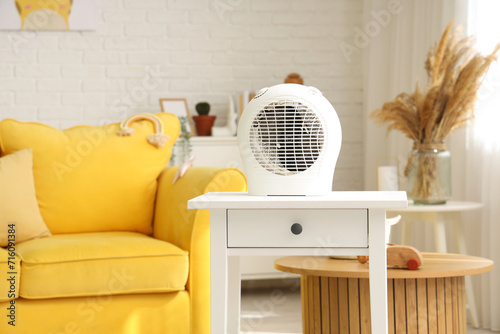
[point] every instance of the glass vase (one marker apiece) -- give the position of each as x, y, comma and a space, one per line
429, 174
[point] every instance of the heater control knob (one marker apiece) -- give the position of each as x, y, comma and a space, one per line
296, 228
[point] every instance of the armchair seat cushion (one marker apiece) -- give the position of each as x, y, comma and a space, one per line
100, 264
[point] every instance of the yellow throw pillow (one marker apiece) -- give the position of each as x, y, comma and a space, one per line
20, 217
91, 179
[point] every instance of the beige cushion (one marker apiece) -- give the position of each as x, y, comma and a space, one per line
19, 210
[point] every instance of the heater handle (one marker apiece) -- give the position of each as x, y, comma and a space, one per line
296, 228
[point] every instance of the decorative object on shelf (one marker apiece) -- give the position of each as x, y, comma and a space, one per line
289, 138
204, 122
179, 108
244, 99
232, 116
158, 139
387, 174
455, 70
232, 121
294, 78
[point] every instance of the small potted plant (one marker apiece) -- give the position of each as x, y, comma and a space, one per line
204, 122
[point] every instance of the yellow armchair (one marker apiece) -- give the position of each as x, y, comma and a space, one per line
125, 255
178, 312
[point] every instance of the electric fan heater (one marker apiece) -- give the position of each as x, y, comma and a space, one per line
289, 138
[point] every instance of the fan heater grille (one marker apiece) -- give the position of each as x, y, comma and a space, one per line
286, 137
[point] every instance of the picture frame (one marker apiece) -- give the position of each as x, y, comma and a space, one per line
61, 15
178, 107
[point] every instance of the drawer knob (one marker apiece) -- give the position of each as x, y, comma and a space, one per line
296, 228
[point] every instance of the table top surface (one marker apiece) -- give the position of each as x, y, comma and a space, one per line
333, 200
435, 265
447, 207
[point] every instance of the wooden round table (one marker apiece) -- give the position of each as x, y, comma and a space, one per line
336, 293
440, 215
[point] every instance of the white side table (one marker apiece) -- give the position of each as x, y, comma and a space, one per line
335, 224
439, 215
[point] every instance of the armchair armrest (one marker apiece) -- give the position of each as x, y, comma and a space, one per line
190, 229
176, 224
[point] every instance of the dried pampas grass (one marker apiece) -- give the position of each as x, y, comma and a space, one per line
455, 71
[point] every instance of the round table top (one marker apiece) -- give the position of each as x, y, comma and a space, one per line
447, 207
435, 265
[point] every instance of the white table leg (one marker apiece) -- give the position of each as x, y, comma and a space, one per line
440, 233
462, 249
471, 302
406, 228
458, 230
218, 272
234, 294
378, 271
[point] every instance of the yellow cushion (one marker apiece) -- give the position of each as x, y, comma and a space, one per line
90, 264
19, 212
89, 179
9, 276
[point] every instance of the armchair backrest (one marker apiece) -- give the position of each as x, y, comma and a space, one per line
90, 179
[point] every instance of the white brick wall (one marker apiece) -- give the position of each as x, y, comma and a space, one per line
203, 50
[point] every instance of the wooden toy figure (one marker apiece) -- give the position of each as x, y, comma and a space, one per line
400, 257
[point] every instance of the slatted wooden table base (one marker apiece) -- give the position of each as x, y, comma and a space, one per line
342, 305
336, 298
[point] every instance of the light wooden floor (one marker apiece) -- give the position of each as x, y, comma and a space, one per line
272, 311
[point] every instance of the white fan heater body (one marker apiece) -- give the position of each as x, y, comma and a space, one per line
289, 138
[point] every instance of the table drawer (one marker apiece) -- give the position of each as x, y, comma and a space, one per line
311, 228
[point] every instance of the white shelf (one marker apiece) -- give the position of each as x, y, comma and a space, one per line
216, 152
214, 140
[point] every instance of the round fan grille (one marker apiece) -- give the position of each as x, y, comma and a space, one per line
286, 137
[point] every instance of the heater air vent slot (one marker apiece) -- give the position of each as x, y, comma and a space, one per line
286, 137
